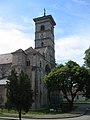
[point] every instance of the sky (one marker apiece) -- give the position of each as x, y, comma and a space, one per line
72, 30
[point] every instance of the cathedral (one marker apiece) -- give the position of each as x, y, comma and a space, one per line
36, 62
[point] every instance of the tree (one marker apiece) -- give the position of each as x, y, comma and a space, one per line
19, 92
51, 81
87, 65
87, 58
87, 89
69, 78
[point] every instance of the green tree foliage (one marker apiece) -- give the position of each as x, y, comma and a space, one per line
69, 78
19, 92
87, 58
87, 92
87, 65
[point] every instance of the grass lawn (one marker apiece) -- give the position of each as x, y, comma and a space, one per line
13, 113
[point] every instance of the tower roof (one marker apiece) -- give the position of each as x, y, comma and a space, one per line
45, 17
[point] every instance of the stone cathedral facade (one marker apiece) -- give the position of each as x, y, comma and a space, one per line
35, 62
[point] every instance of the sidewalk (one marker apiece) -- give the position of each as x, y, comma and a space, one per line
80, 110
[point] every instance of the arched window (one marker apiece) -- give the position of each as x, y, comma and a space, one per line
47, 69
42, 44
42, 28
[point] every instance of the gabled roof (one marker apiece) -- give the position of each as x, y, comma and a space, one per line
5, 58
19, 51
30, 49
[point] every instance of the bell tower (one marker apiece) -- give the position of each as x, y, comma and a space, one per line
44, 35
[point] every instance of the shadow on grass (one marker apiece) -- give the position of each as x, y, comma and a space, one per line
65, 109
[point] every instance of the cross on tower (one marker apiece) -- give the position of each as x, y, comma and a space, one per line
44, 12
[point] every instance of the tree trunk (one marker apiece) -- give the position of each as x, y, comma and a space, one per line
71, 105
70, 102
20, 115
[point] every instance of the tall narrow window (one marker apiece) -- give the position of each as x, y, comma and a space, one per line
28, 62
42, 27
40, 64
42, 44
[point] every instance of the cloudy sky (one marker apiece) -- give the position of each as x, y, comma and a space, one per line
72, 30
